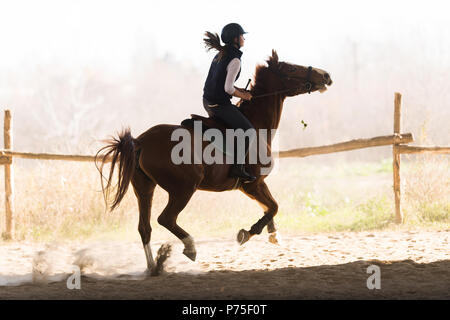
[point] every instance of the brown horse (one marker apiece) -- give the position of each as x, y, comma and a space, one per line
146, 161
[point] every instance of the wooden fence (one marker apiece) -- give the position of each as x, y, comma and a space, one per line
398, 140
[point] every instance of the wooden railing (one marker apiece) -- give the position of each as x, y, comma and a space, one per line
398, 140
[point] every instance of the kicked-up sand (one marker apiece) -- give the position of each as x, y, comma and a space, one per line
413, 265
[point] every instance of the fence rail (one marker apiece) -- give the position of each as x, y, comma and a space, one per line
347, 145
398, 141
416, 149
7, 155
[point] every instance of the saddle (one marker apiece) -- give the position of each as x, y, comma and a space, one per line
219, 143
211, 123
207, 123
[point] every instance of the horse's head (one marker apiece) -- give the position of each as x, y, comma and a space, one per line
298, 78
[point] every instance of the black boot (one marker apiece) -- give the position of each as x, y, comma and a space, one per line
238, 170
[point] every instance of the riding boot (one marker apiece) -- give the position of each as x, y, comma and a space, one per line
238, 170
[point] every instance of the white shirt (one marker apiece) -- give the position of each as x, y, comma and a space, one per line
233, 69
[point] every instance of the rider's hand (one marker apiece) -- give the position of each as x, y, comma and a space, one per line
247, 95
242, 93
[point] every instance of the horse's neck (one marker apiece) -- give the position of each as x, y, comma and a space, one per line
265, 112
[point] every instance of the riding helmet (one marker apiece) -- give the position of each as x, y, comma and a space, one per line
231, 31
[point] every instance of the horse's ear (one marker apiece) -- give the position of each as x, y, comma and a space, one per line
273, 60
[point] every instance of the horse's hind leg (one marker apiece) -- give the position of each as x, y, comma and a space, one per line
168, 218
143, 189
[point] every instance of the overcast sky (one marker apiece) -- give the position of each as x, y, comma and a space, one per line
109, 32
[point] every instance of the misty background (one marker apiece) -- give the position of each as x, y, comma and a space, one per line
75, 72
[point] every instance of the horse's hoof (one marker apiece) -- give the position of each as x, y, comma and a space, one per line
191, 254
150, 272
273, 238
243, 236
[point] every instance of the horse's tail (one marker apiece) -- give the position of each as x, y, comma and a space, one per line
120, 150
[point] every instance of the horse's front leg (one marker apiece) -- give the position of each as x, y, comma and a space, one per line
260, 192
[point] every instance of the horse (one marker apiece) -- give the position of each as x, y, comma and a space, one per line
146, 161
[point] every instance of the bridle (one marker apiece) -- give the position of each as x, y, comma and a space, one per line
307, 86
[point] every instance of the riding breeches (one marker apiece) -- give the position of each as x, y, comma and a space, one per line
234, 119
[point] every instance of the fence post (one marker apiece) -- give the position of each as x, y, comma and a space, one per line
396, 158
9, 177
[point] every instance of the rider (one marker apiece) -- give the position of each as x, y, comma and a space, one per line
219, 88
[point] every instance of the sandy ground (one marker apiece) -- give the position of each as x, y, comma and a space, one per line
414, 265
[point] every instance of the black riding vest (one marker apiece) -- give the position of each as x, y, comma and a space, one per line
214, 89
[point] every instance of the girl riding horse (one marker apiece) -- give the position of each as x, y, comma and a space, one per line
146, 161
219, 88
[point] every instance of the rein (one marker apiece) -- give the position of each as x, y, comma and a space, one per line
307, 85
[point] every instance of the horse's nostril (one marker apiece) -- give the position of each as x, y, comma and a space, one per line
326, 76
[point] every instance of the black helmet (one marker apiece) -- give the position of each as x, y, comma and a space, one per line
231, 31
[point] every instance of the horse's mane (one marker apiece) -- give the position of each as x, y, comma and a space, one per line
260, 76
262, 72
261, 79
259, 83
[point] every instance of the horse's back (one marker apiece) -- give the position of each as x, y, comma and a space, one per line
157, 131
156, 145
156, 159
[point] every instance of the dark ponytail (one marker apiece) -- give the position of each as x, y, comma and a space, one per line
212, 41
